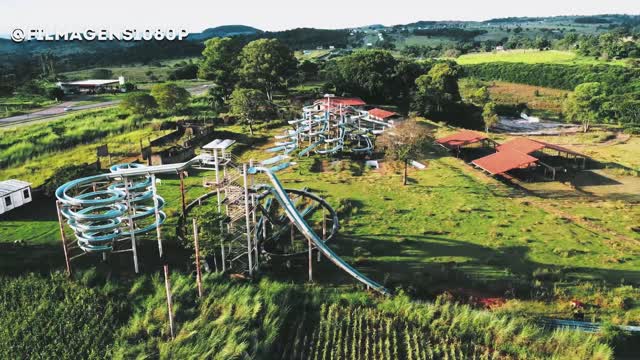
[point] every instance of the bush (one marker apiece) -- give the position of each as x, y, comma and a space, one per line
55, 93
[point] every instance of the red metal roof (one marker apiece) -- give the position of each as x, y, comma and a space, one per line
343, 101
381, 114
523, 145
528, 146
559, 148
461, 138
504, 161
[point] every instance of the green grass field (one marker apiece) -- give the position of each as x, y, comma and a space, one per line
451, 228
532, 57
136, 73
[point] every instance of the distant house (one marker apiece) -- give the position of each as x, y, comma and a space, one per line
13, 194
331, 47
499, 48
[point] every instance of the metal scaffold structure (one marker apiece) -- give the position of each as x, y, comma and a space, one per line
329, 127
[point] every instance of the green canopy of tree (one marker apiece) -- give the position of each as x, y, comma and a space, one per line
584, 104
437, 91
266, 64
186, 72
406, 141
139, 103
249, 105
375, 75
170, 97
220, 62
209, 231
489, 116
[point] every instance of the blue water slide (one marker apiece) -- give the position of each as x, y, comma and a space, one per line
298, 220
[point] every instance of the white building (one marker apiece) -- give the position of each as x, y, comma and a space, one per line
13, 194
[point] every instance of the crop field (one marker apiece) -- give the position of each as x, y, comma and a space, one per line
531, 57
544, 102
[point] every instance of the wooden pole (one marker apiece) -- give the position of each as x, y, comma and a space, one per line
247, 218
198, 273
310, 261
134, 248
156, 205
62, 237
167, 286
184, 204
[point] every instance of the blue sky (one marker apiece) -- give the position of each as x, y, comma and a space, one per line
196, 15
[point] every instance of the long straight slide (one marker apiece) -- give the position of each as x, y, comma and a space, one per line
297, 219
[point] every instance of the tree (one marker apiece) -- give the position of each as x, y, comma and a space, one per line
101, 74
367, 73
489, 116
475, 92
437, 90
215, 98
220, 63
55, 93
189, 71
209, 231
266, 64
249, 105
139, 103
584, 104
405, 142
170, 97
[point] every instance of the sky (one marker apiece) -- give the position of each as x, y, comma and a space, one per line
196, 15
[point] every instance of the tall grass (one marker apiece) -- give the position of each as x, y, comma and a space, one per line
21, 144
95, 318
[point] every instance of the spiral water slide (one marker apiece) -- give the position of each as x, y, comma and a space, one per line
298, 220
125, 207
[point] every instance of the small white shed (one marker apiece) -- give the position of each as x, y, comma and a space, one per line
13, 194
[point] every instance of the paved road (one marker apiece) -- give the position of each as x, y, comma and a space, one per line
57, 111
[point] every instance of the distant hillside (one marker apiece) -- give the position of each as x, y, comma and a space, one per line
223, 31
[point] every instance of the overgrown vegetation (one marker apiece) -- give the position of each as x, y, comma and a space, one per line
268, 320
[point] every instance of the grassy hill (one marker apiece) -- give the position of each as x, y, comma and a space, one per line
531, 56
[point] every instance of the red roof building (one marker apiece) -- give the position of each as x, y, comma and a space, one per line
380, 114
336, 101
460, 139
503, 161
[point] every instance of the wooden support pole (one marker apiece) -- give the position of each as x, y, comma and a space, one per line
197, 247
134, 248
247, 218
182, 197
310, 260
167, 286
62, 237
156, 205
